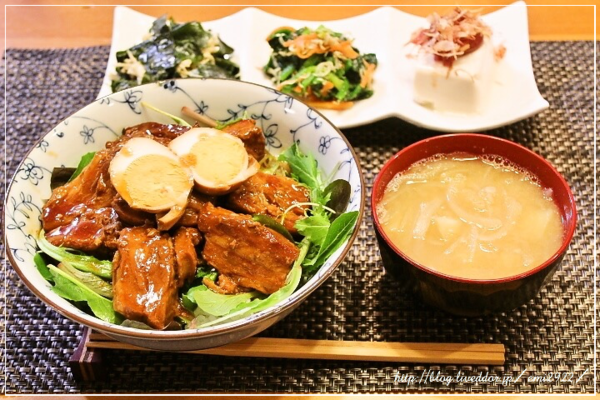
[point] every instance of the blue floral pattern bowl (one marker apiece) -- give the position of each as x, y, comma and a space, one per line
284, 121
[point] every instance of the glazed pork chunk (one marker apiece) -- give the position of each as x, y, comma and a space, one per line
87, 213
79, 214
185, 241
246, 253
148, 269
252, 136
162, 133
270, 195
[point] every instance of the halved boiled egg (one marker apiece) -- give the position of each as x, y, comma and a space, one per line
150, 177
219, 161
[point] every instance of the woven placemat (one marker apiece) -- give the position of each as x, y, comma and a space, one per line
552, 334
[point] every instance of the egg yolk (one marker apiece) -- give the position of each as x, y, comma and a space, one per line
217, 159
153, 181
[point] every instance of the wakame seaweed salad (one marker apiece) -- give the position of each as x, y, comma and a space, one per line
174, 50
320, 66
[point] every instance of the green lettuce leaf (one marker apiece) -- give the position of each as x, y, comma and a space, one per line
218, 304
81, 262
305, 170
93, 282
66, 286
83, 162
42, 267
338, 233
314, 228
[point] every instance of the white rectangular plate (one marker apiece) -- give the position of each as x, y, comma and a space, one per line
384, 31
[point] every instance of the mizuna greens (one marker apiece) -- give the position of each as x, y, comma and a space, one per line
174, 50
87, 280
320, 66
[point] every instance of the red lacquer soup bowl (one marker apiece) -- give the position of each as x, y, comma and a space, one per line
459, 295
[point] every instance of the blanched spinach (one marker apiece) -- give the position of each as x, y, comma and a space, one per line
336, 72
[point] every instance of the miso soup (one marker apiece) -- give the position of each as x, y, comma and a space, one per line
477, 217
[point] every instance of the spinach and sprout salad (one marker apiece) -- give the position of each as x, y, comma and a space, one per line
174, 50
87, 281
320, 66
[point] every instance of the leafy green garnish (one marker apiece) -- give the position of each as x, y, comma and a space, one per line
339, 192
83, 162
218, 304
274, 225
63, 175
42, 267
60, 176
223, 124
305, 170
338, 232
81, 262
272, 165
206, 271
326, 228
70, 288
136, 324
93, 282
314, 228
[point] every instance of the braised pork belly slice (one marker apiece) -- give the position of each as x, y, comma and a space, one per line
91, 189
131, 216
270, 195
86, 213
79, 214
196, 203
245, 251
145, 280
252, 136
162, 133
92, 231
185, 241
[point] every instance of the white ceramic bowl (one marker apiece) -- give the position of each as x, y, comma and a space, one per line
283, 120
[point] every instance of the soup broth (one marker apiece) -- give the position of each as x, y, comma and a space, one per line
471, 217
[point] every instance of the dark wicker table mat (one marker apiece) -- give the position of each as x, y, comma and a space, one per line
554, 333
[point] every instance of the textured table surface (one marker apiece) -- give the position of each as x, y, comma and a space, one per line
553, 333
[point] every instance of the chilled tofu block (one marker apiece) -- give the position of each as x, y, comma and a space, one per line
462, 88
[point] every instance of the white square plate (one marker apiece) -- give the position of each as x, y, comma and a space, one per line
514, 95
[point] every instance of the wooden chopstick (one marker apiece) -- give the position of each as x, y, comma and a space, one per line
427, 353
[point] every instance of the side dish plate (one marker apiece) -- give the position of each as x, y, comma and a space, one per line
514, 96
